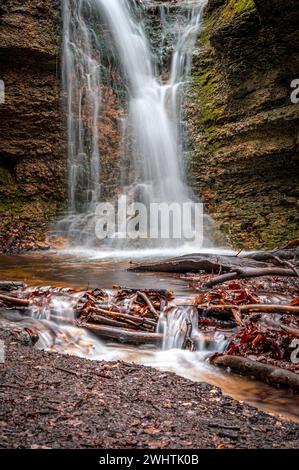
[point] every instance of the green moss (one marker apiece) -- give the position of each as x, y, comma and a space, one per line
242, 6
235, 8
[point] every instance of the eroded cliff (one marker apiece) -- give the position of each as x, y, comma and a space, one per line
32, 149
244, 126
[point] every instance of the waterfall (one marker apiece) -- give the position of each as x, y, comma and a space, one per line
177, 325
152, 127
179, 328
81, 83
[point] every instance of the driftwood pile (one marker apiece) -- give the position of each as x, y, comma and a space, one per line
256, 309
125, 314
130, 315
228, 268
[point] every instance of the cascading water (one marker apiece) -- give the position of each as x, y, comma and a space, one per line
179, 328
81, 81
53, 319
151, 128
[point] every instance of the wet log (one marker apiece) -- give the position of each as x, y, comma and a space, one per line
16, 301
262, 308
11, 285
264, 372
249, 273
109, 321
198, 262
124, 335
265, 256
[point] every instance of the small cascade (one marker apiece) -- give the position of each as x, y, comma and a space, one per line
54, 306
179, 327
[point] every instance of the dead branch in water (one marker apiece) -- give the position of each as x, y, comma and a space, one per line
199, 262
262, 308
131, 319
17, 301
149, 304
248, 273
109, 321
124, 335
265, 372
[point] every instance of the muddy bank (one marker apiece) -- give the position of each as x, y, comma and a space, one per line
54, 401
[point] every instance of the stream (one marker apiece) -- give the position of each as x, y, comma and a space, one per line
72, 269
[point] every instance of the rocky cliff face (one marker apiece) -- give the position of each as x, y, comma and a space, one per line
244, 126
32, 152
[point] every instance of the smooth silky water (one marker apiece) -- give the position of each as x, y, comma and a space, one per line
67, 270
152, 128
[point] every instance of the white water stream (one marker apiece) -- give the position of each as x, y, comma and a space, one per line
153, 123
66, 339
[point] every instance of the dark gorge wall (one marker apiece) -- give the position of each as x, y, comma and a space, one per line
32, 150
244, 126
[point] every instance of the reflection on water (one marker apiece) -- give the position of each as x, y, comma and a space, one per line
71, 271
67, 270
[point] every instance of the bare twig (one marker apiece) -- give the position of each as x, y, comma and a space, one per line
149, 304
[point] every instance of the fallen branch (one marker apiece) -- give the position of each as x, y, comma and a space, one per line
264, 372
124, 316
149, 304
109, 321
286, 263
262, 308
14, 301
198, 262
292, 331
266, 256
123, 335
248, 273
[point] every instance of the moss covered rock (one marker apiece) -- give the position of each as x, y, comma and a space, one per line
244, 126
